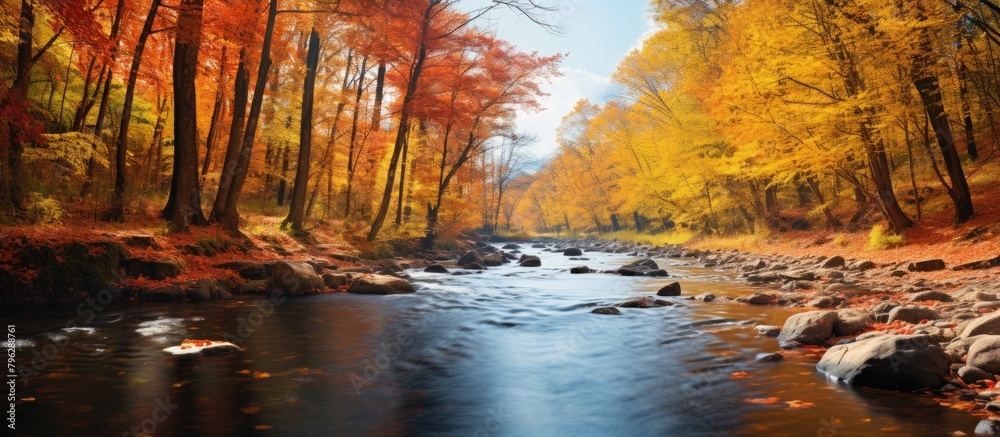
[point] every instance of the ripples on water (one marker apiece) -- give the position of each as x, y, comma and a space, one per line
507, 352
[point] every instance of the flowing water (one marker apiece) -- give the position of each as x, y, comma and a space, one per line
508, 352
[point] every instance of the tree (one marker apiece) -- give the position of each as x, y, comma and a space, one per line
296, 212
184, 204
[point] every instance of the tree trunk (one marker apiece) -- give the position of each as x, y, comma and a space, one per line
184, 204
352, 160
14, 192
614, 223
402, 181
213, 125
963, 92
231, 216
831, 220
913, 177
379, 95
86, 101
117, 212
296, 212
240, 94
404, 123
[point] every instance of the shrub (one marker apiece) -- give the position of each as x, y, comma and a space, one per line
880, 238
45, 211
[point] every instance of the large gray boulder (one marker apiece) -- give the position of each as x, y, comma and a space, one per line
912, 314
988, 324
985, 354
907, 362
530, 261
813, 327
296, 277
380, 284
471, 257
852, 322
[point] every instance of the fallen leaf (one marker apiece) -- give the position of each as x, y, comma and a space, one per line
250, 410
121, 373
243, 372
262, 427
261, 375
799, 405
27, 399
740, 375
761, 401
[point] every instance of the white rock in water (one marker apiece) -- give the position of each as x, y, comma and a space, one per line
207, 347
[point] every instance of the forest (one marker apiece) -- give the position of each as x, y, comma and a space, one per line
369, 113
738, 117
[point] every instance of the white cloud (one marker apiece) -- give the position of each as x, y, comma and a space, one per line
573, 86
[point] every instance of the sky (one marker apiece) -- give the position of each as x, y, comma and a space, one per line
597, 35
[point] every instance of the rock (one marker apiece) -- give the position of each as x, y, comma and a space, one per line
897, 274
971, 374
770, 358
167, 293
988, 427
988, 324
986, 306
906, 362
251, 270
204, 290
254, 287
573, 252
530, 261
511, 246
671, 289
658, 273
706, 297
862, 265
155, 270
852, 322
931, 295
768, 330
380, 284
494, 260
645, 302
538, 246
980, 265
474, 266
986, 297
912, 314
798, 275
296, 277
335, 280
764, 277
607, 311
833, 262
931, 265
436, 268
813, 327
146, 241
959, 348
761, 299
985, 354
639, 268
579, 270
826, 302
469, 258
835, 274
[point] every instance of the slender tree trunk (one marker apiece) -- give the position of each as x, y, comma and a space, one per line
296, 213
230, 215
402, 181
102, 109
184, 204
62, 101
86, 101
240, 95
13, 195
913, 176
352, 160
831, 220
404, 123
213, 126
379, 95
117, 212
963, 92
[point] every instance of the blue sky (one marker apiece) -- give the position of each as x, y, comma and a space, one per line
598, 34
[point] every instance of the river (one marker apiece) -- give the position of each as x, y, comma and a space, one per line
510, 351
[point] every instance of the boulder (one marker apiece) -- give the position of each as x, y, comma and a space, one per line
607, 311
572, 252
768, 330
760, 299
167, 293
530, 261
579, 270
251, 270
639, 268
987, 427
511, 246
671, 289
658, 273
380, 284
985, 354
813, 327
959, 348
912, 314
146, 241
254, 287
906, 362
852, 322
645, 302
474, 266
469, 258
970, 374
930, 265
826, 302
988, 324
436, 268
335, 280
295, 277
931, 295
152, 269
833, 262
494, 260
862, 265
979, 265
537, 246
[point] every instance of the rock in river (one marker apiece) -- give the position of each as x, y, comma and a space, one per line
572, 252
380, 284
607, 311
813, 327
645, 302
436, 268
296, 277
580, 270
672, 289
907, 362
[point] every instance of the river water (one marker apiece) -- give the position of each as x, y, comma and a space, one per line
508, 352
